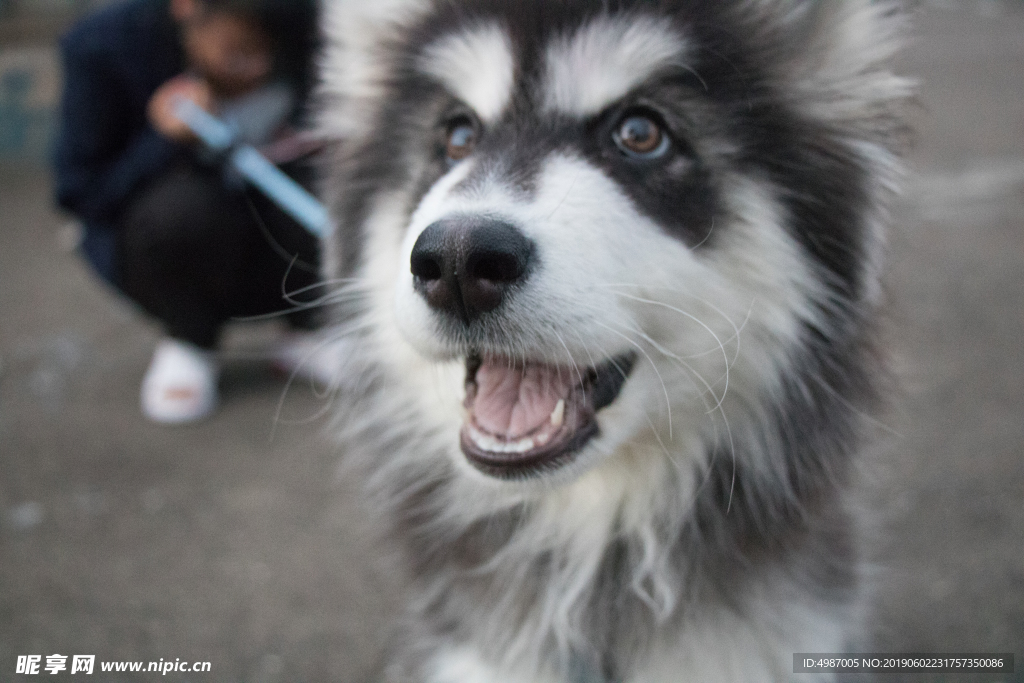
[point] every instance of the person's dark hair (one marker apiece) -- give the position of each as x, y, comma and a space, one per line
291, 24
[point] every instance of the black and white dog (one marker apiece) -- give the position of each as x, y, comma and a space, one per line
612, 269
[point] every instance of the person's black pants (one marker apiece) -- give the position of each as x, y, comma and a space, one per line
196, 254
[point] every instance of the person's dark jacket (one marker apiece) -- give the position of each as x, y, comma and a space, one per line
114, 60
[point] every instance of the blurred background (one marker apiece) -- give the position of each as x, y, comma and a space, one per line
236, 542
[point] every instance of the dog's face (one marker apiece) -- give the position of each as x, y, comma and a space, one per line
588, 234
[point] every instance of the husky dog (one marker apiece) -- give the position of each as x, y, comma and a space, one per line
612, 272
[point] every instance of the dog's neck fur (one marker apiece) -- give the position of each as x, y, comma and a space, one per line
584, 577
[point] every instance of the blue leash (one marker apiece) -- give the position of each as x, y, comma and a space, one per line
254, 167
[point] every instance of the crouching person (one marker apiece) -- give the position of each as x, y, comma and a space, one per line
168, 228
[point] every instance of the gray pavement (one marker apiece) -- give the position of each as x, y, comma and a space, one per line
235, 541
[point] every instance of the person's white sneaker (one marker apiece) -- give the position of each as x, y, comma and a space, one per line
313, 356
181, 383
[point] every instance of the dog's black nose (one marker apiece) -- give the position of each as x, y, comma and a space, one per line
466, 265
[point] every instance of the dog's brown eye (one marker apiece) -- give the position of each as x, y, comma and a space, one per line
641, 137
461, 141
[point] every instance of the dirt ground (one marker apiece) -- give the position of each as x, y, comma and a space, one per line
237, 543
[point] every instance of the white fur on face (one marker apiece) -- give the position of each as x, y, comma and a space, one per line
477, 66
610, 280
605, 60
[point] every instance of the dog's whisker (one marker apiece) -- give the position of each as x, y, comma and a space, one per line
686, 367
711, 229
299, 307
330, 391
572, 361
647, 416
566, 195
736, 329
333, 282
710, 410
654, 366
276, 246
700, 322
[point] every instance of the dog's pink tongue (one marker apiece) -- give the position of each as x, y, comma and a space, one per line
512, 402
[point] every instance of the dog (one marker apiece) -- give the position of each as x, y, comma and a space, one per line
611, 275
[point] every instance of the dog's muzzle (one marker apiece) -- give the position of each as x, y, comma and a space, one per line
523, 416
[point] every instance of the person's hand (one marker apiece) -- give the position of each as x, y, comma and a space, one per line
161, 106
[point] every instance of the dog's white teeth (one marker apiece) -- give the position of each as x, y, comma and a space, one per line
490, 444
523, 446
558, 414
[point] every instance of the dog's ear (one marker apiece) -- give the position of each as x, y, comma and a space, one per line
354, 62
841, 61
354, 67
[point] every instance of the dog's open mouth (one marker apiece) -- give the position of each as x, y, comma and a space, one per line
524, 418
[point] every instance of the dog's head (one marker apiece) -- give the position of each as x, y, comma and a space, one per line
585, 232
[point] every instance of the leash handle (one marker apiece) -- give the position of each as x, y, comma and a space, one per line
285, 192
210, 130
219, 137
